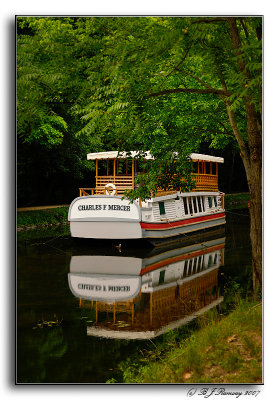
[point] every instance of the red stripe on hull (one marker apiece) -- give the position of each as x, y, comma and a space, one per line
174, 224
196, 253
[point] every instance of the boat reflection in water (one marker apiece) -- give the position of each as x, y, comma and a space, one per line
141, 298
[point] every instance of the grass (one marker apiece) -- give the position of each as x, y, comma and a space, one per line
50, 216
223, 350
237, 200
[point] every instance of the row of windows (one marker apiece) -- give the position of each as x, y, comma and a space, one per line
197, 264
205, 167
192, 205
193, 266
196, 204
123, 166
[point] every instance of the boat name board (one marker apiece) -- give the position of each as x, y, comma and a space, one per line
103, 207
100, 207
104, 288
97, 288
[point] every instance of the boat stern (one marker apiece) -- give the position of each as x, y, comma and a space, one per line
104, 217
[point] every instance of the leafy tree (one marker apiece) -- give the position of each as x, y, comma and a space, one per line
51, 64
192, 78
162, 84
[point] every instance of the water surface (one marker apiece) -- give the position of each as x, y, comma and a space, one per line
83, 308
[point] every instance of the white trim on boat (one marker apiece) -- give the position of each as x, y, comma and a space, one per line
124, 154
181, 194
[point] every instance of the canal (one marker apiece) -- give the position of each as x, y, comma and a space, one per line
84, 309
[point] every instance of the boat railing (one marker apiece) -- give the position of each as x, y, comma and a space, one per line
121, 183
86, 192
204, 182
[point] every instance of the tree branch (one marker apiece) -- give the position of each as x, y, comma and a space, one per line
209, 20
227, 133
176, 67
237, 45
197, 79
244, 27
243, 149
222, 124
182, 90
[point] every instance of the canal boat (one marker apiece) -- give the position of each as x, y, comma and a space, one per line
103, 212
141, 298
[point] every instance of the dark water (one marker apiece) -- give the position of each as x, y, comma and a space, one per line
84, 308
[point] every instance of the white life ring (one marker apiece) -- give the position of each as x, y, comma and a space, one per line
110, 186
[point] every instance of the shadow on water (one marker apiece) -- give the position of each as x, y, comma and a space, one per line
83, 308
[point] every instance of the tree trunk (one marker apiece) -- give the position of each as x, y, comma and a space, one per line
254, 178
255, 182
252, 160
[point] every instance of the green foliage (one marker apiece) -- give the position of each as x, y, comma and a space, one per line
42, 217
52, 57
144, 83
112, 380
176, 53
49, 132
224, 350
170, 79
234, 201
168, 171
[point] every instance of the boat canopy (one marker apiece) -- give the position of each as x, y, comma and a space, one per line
123, 154
204, 157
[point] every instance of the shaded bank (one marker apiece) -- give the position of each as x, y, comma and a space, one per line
222, 350
41, 218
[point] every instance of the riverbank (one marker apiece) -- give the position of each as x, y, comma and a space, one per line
40, 217
236, 200
223, 350
43, 217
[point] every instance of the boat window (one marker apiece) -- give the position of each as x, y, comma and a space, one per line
102, 167
162, 277
124, 166
195, 167
207, 168
186, 211
215, 258
139, 166
202, 202
199, 204
142, 165
195, 264
190, 265
215, 201
210, 201
185, 270
214, 169
210, 260
162, 208
190, 205
199, 263
202, 262
195, 204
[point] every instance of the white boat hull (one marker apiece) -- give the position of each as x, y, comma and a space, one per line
106, 229
112, 217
